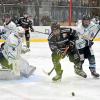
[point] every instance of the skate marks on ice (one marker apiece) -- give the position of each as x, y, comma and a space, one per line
40, 86
31, 89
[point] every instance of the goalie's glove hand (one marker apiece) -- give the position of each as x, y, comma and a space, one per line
60, 53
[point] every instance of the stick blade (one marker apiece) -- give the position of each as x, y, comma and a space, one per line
46, 73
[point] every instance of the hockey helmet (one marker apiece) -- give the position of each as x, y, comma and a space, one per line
86, 21
55, 26
86, 17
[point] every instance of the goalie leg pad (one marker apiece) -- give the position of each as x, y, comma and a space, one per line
28, 71
7, 74
25, 69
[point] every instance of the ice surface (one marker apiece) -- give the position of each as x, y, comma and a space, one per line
40, 86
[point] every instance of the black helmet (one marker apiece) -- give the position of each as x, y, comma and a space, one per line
55, 25
86, 17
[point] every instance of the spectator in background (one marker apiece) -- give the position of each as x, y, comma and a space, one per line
45, 20
62, 10
36, 20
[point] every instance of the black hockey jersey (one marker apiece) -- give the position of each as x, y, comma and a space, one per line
67, 35
25, 23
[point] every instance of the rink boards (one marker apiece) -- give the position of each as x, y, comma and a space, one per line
41, 33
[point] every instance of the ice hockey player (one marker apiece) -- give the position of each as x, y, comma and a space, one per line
87, 31
13, 66
9, 25
62, 43
26, 23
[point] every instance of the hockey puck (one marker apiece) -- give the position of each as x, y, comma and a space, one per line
73, 94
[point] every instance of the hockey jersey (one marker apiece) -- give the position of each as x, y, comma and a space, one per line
86, 34
9, 27
12, 47
66, 36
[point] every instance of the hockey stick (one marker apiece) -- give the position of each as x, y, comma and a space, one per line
96, 34
41, 32
49, 73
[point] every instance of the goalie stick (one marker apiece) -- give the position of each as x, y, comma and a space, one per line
49, 73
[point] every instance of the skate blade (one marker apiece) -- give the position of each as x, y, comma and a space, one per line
96, 77
85, 76
56, 81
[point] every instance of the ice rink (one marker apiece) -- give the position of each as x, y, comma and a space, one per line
40, 86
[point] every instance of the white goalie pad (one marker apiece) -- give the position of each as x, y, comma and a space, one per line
7, 74
24, 50
21, 68
25, 69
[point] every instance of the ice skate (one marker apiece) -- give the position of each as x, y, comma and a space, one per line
25, 50
93, 72
80, 72
58, 76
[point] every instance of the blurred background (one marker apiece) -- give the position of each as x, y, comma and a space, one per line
43, 12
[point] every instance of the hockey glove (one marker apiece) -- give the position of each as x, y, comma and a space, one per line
71, 43
2, 46
99, 22
90, 43
32, 30
60, 53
